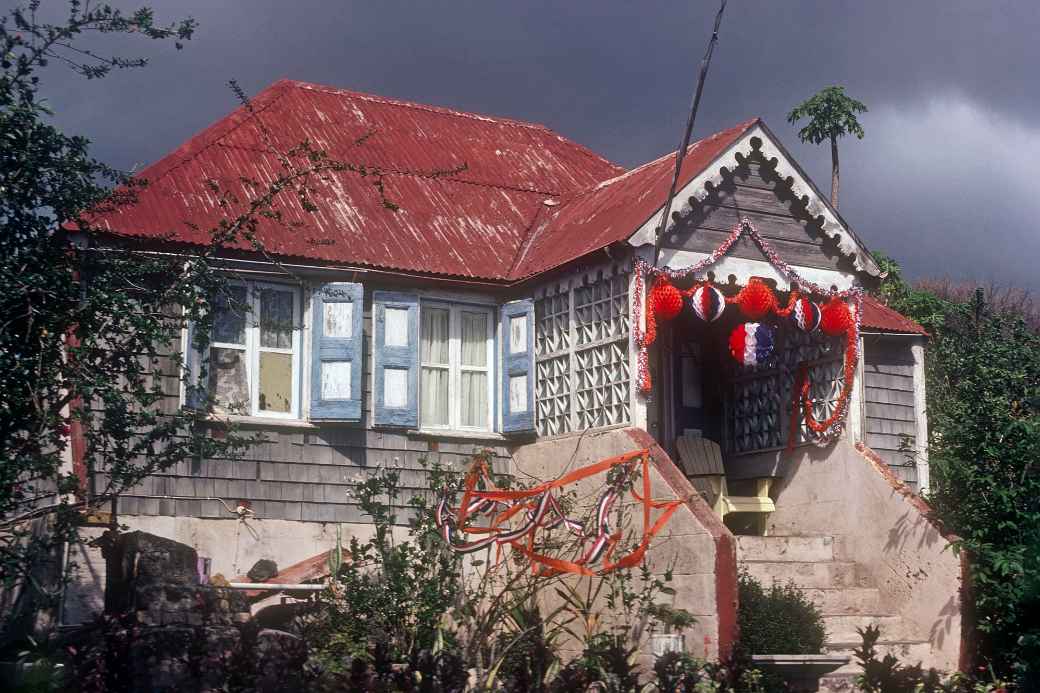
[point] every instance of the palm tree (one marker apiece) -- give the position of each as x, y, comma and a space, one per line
832, 114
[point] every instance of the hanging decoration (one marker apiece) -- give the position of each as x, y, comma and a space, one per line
665, 302
836, 318
707, 302
538, 508
805, 314
756, 300
840, 316
751, 343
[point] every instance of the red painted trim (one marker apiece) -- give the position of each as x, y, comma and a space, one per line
725, 545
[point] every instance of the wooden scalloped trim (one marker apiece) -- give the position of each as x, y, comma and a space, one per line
819, 209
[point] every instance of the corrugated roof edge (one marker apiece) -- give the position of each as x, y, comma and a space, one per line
878, 316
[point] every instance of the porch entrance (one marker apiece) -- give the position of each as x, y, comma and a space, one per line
713, 407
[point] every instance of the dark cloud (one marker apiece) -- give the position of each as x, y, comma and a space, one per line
940, 182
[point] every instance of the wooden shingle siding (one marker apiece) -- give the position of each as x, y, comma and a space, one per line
301, 472
890, 417
756, 193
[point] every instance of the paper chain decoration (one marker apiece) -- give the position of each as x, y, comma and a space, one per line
826, 430
540, 510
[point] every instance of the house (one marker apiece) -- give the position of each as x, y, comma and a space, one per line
499, 302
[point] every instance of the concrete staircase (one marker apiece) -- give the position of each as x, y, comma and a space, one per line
846, 595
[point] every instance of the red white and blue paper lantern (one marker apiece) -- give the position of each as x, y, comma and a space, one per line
708, 303
751, 343
805, 314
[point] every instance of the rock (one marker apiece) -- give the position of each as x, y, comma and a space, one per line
279, 661
263, 570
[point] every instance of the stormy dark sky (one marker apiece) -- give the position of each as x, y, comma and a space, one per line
944, 180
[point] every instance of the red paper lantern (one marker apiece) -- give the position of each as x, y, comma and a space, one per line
835, 318
756, 299
666, 300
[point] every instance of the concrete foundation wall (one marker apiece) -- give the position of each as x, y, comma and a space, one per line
878, 523
695, 543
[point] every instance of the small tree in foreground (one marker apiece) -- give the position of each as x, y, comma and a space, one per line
832, 115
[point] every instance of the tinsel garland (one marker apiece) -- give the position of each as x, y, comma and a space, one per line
513, 517
854, 295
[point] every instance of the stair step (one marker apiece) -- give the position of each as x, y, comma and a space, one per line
908, 652
808, 575
847, 601
800, 549
842, 629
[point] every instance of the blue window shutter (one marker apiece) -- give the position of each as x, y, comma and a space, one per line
395, 359
517, 321
337, 310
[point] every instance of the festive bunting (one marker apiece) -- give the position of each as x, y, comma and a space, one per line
665, 302
805, 314
756, 300
840, 316
538, 509
708, 303
751, 343
835, 319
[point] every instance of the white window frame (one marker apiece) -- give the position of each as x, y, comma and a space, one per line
253, 349
455, 367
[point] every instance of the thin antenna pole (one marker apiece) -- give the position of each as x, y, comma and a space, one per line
681, 152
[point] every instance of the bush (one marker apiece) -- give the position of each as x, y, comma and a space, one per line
983, 368
888, 675
778, 620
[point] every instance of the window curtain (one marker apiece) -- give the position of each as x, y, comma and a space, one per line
433, 349
474, 383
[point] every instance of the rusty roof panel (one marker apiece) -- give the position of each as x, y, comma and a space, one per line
879, 317
468, 186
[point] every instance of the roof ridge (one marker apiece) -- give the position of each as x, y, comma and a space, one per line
443, 110
667, 155
250, 113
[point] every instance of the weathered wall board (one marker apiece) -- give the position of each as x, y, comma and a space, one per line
890, 417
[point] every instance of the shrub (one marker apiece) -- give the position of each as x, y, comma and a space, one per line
778, 620
888, 675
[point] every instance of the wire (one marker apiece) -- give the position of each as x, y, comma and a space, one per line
680, 154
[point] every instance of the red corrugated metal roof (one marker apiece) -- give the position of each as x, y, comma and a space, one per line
879, 317
469, 223
612, 210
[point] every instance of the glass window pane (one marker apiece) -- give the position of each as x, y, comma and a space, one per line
229, 316
275, 382
433, 342
335, 379
229, 380
474, 339
474, 400
518, 393
395, 328
339, 319
395, 387
434, 411
276, 318
518, 334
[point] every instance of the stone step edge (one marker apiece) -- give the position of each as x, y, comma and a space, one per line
828, 645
